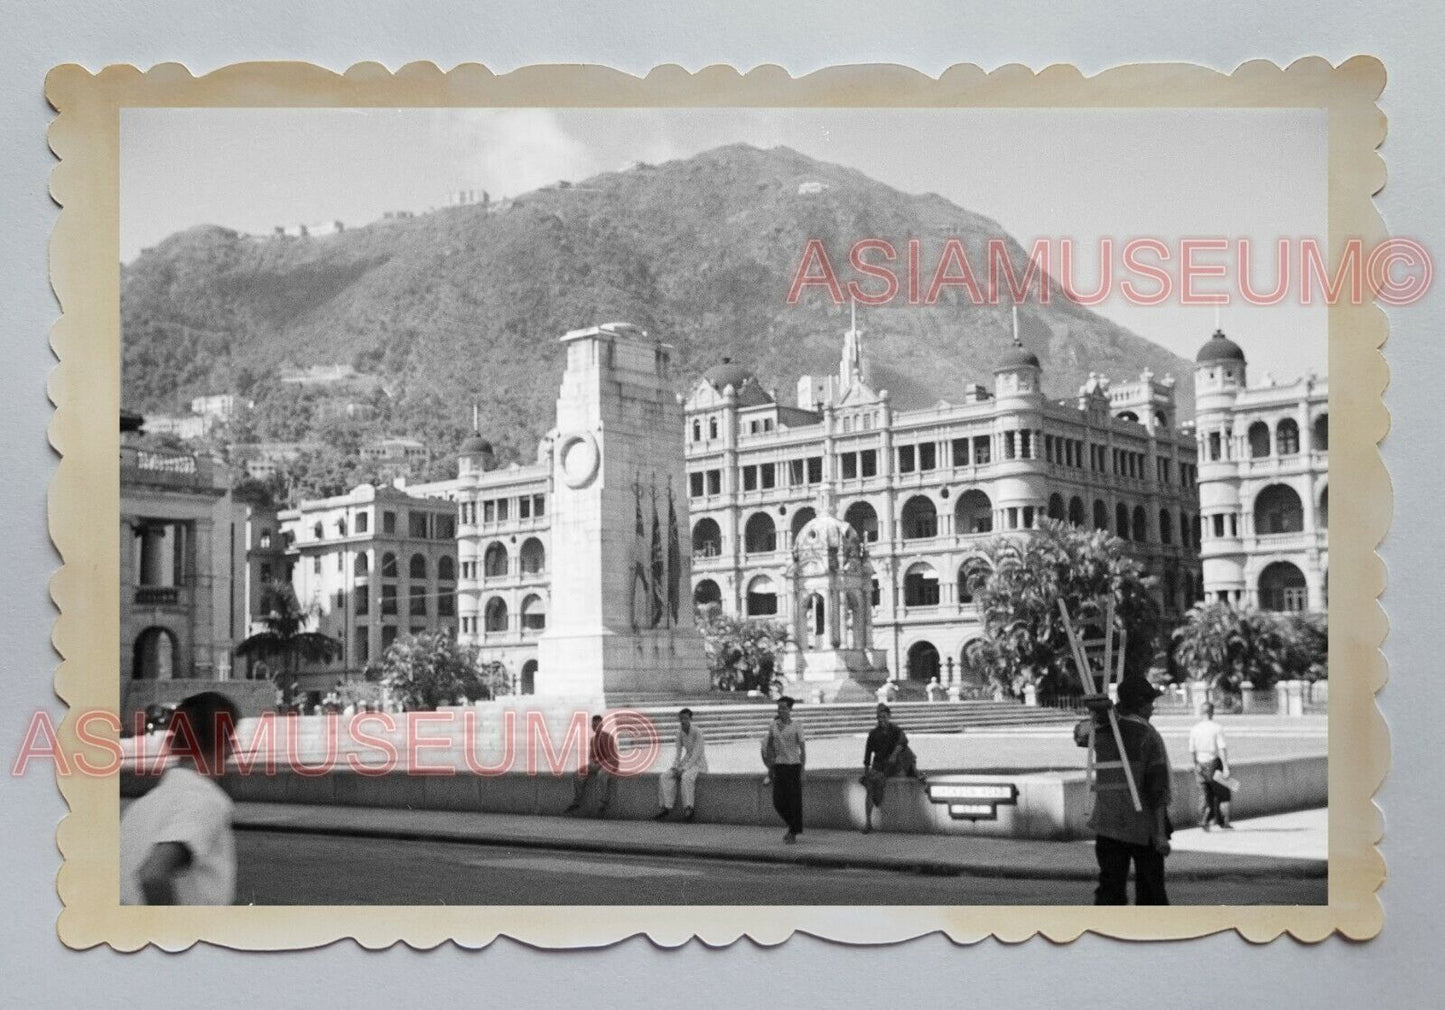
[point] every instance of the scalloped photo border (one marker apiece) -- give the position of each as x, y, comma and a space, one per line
85, 389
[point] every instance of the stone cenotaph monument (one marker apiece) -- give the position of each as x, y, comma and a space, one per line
621, 616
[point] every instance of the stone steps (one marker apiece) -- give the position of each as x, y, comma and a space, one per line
723, 724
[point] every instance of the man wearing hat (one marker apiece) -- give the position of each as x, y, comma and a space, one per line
1125, 835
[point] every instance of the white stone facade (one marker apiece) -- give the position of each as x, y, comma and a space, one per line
374, 564
1263, 484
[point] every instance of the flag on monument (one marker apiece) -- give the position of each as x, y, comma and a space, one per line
657, 573
674, 557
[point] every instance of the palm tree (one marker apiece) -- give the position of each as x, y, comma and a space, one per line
286, 637
1225, 647
1017, 583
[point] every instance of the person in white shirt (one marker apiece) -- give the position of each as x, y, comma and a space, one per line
689, 762
1211, 754
176, 845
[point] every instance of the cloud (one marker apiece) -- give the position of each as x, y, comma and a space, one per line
511, 151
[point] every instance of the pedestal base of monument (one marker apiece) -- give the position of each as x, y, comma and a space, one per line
840, 675
605, 664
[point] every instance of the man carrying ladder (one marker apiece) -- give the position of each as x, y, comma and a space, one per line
1130, 774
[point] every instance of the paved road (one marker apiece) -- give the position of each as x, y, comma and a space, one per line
299, 869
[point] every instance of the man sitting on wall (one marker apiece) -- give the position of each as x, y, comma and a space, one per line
689, 762
885, 754
602, 763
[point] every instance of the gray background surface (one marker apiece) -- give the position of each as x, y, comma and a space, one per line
1400, 968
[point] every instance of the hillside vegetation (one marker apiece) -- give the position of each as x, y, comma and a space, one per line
466, 304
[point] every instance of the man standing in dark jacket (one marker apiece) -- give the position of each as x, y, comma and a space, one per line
1125, 835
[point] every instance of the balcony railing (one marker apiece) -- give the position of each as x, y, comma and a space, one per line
157, 596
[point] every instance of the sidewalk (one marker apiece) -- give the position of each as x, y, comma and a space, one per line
932, 854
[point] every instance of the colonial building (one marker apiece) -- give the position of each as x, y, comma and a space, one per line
371, 564
503, 544
183, 576
925, 488
1263, 483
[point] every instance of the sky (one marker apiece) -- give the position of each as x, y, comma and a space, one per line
1049, 173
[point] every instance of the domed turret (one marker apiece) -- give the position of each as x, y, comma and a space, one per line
475, 453
1219, 348
1017, 356
475, 445
726, 374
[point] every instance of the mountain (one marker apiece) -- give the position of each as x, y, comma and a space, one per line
466, 303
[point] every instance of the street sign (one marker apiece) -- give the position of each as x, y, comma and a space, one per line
973, 801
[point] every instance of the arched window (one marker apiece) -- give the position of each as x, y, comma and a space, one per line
760, 536
1324, 510
361, 566
495, 616
862, 517
416, 569
706, 594
155, 655
1101, 515
922, 662
762, 597
1277, 509
1188, 533
317, 532
1286, 437
973, 513
1166, 527
920, 586
696, 430
1141, 524
1076, 510
1121, 520
1128, 415
706, 539
533, 556
801, 518
494, 562
1056, 507
447, 569
534, 613
529, 677
341, 527
1320, 433
1258, 439
388, 565
1282, 588
920, 519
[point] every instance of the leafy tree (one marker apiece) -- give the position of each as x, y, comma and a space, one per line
432, 669
286, 640
1225, 647
1017, 585
743, 651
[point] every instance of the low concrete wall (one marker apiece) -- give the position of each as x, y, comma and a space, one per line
1052, 805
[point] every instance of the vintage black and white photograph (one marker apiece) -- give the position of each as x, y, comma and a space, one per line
718, 507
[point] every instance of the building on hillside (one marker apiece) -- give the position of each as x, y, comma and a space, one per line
1263, 483
183, 426
182, 576
923, 489
265, 459
926, 488
222, 406
371, 565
